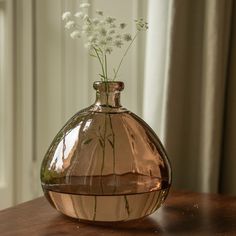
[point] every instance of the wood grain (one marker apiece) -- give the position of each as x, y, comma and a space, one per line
184, 213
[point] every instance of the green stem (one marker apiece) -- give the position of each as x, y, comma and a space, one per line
103, 72
126, 51
104, 145
106, 66
113, 142
107, 93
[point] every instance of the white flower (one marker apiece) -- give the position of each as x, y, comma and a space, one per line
103, 31
127, 37
109, 38
102, 34
122, 25
79, 15
108, 50
92, 39
99, 12
112, 31
112, 25
66, 15
75, 34
70, 24
110, 20
86, 17
95, 21
102, 43
101, 22
118, 43
84, 5
141, 25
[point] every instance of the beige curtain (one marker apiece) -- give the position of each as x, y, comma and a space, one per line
195, 118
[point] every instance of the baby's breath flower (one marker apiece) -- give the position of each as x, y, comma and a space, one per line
122, 25
102, 34
103, 31
113, 26
95, 21
102, 43
75, 34
109, 38
112, 31
86, 17
108, 50
84, 5
101, 22
70, 24
79, 15
66, 15
92, 38
100, 13
110, 20
141, 25
118, 43
127, 37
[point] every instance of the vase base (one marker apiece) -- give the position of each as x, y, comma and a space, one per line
111, 208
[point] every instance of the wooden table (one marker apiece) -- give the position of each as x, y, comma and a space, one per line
184, 213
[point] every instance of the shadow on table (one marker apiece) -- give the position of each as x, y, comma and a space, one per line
145, 226
169, 220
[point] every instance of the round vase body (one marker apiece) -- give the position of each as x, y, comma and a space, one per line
106, 164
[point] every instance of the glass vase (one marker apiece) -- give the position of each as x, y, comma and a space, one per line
106, 164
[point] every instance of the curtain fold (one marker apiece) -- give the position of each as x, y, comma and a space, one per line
228, 163
155, 62
195, 91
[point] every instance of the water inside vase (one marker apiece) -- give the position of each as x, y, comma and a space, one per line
107, 198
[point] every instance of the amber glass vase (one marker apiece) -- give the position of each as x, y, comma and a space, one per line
106, 164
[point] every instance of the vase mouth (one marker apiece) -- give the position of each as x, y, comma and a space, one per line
108, 86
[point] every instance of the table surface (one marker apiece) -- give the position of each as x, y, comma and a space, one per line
184, 213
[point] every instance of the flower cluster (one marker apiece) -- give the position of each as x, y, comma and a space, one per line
102, 34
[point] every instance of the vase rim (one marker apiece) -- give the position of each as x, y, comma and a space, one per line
111, 86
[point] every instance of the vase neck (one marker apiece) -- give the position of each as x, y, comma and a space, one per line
108, 93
